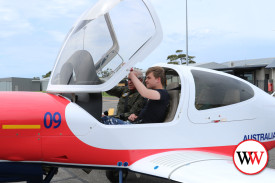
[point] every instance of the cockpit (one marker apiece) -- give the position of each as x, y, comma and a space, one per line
100, 49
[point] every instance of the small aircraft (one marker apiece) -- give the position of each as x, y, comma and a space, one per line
210, 112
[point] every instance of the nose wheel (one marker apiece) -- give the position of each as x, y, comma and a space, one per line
116, 176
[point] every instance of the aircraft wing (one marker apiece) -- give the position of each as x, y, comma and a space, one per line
197, 167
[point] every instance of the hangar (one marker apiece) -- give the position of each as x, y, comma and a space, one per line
19, 84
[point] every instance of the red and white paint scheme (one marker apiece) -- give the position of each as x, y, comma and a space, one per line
210, 112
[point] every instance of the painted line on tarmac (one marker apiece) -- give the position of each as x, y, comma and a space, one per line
110, 100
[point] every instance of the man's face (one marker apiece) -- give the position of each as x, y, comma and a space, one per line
151, 82
131, 85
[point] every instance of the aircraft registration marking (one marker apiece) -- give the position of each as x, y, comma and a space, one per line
23, 127
49, 118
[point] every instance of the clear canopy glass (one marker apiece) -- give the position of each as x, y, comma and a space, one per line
102, 45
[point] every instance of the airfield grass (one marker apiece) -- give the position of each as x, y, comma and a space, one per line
104, 94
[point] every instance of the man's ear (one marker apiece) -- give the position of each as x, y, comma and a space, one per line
159, 79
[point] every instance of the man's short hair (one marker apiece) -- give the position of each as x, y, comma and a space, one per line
158, 72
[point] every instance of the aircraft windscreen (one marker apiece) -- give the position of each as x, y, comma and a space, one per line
97, 48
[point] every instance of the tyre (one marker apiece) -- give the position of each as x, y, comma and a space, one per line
113, 175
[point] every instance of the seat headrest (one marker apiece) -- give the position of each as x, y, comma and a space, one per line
172, 86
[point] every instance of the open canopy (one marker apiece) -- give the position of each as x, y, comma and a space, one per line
104, 44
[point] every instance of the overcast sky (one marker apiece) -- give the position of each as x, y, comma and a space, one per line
32, 31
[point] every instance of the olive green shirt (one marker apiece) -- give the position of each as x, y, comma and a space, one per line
134, 104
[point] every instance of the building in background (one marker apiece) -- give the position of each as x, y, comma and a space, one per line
260, 72
19, 84
44, 83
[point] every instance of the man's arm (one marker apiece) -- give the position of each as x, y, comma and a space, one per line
136, 108
116, 91
145, 92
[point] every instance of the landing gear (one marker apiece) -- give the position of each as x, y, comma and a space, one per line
49, 172
113, 175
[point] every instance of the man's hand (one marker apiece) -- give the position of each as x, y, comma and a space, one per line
132, 117
131, 75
